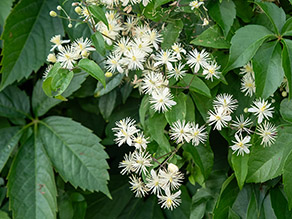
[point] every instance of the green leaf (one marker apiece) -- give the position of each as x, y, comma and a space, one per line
223, 14
195, 84
98, 42
178, 111
171, 33
31, 185
279, 202
268, 69
287, 28
244, 10
5, 7
14, 103
244, 44
27, 39
93, 69
212, 37
107, 103
228, 194
144, 107
286, 62
286, 110
203, 104
111, 84
275, 14
267, 163
202, 156
98, 13
4, 215
158, 3
41, 103
9, 139
287, 179
77, 153
156, 125
240, 167
190, 109
61, 81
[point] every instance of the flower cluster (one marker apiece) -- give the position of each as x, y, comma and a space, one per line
248, 80
160, 181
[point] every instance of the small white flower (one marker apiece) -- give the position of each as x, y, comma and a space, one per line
198, 59
48, 69
241, 145
195, 4
177, 72
140, 141
134, 59
81, 45
138, 187
177, 50
121, 46
154, 182
162, 100
248, 85
211, 70
198, 134
58, 42
261, 109
247, 70
267, 132
139, 44
172, 168
165, 58
169, 201
67, 57
125, 129
170, 179
220, 117
152, 82
130, 24
142, 161
180, 131
242, 124
127, 164
226, 101
153, 37
113, 63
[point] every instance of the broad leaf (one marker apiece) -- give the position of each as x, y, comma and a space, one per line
275, 14
190, 109
268, 69
14, 103
287, 28
287, 179
9, 139
286, 62
111, 84
144, 107
41, 103
98, 13
93, 69
286, 110
240, 167
212, 37
267, 163
31, 184
98, 42
75, 153
5, 7
223, 14
171, 33
107, 103
27, 39
279, 203
245, 43
178, 111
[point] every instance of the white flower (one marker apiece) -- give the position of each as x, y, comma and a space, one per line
241, 145
267, 132
67, 57
177, 72
180, 131
139, 44
242, 125
248, 85
177, 50
198, 134
219, 117
165, 58
169, 201
130, 24
125, 129
247, 70
261, 109
211, 70
48, 69
127, 164
145, 2
113, 63
81, 45
85, 13
152, 82
140, 141
58, 42
172, 168
170, 179
154, 182
134, 59
153, 37
225, 101
198, 59
121, 46
138, 187
195, 4
142, 161
162, 100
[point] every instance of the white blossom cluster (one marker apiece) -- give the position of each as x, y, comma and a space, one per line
161, 181
248, 80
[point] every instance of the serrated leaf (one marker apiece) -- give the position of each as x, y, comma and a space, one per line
267, 163
9, 139
286, 62
98, 13
171, 33
98, 42
77, 153
27, 39
268, 69
244, 44
111, 84
286, 110
107, 103
31, 185
14, 103
93, 69
240, 167
275, 14
223, 14
178, 111
212, 37
41, 103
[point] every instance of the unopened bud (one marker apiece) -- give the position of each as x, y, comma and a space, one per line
51, 58
78, 10
70, 25
59, 8
84, 53
245, 110
172, 168
273, 100
108, 74
284, 94
53, 14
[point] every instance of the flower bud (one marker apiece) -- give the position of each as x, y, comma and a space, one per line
172, 168
59, 8
108, 74
84, 53
284, 94
53, 14
245, 110
70, 25
78, 10
51, 58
